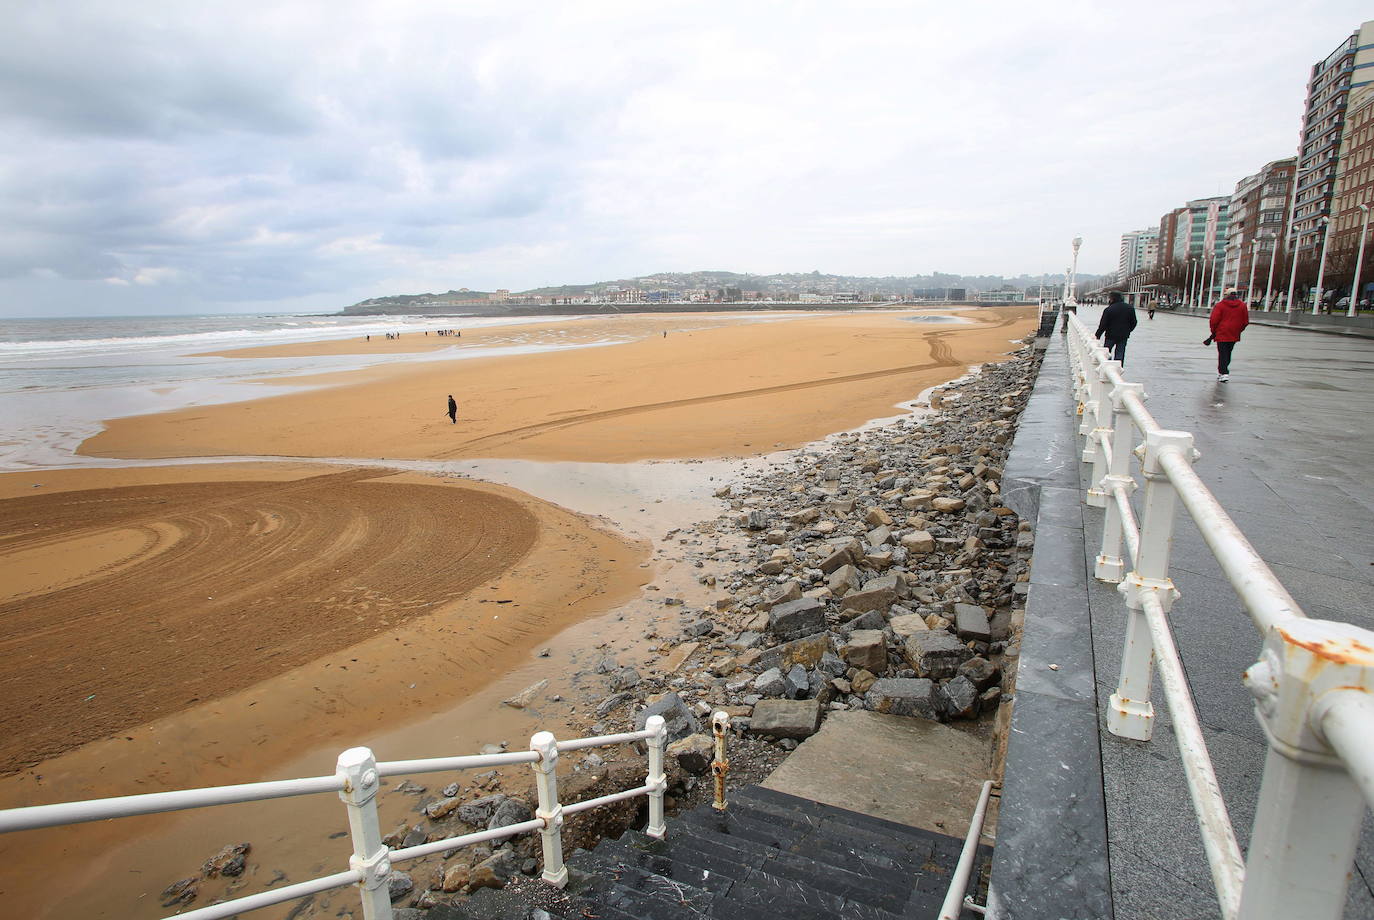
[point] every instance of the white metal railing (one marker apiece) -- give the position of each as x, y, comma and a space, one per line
1312, 684
956, 900
357, 780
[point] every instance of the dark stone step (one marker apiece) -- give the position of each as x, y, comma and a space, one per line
657, 873
677, 864
723, 856
776, 897
790, 864
844, 848
653, 903
834, 814
931, 856
835, 847
788, 893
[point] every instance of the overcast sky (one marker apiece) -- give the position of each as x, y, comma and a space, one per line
209, 157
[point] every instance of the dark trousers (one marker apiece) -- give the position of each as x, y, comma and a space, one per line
1117, 349
1224, 350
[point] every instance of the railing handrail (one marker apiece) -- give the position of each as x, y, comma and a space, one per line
358, 780
1312, 684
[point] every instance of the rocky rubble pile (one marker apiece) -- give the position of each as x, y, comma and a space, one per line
881, 571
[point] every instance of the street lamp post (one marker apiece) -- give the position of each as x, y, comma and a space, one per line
1071, 281
1269, 287
1359, 264
1250, 285
1188, 284
1196, 292
1296, 236
1321, 267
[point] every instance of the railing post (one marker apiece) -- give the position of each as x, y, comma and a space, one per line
550, 811
1110, 566
1096, 392
1100, 437
1132, 714
371, 857
1310, 810
657, 780
720, 767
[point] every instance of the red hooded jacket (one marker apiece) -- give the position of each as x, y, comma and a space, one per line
1229, 317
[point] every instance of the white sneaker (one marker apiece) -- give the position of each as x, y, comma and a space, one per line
1222, 378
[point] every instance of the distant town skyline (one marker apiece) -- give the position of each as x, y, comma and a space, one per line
169, 158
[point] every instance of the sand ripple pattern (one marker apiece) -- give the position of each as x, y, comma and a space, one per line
181, 593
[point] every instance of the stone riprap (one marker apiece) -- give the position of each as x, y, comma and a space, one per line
879, 570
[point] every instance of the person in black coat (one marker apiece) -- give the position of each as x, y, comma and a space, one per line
1115, 326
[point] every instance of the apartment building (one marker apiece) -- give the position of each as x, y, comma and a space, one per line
1201, 228
1354, 184
1168, 231
1350, 66
1257, 221
1139, 251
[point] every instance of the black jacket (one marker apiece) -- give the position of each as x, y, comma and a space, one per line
1117, 321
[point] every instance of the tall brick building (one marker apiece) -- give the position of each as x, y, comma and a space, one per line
1258, 222
1354, 185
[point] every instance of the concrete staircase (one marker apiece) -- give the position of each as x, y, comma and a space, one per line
770, 855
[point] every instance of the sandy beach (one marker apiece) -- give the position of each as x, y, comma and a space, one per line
706, 389
173, 626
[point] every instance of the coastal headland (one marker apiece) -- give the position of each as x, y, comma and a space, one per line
188, 625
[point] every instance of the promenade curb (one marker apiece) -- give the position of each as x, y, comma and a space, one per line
1051, 854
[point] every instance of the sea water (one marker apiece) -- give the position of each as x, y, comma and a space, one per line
61, 377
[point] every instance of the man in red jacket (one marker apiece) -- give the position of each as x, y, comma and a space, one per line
1229, 317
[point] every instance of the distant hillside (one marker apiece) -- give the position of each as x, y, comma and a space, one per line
722, 285
804, 282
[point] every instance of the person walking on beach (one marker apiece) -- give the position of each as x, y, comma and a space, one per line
1229, 318
1115, 326
452, 410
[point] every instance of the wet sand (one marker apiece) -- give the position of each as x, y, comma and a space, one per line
421, 671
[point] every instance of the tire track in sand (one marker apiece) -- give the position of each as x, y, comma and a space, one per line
216, 603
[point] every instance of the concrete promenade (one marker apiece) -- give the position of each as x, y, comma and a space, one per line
1288, 448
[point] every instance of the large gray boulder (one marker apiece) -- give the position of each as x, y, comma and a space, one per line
681, 722
904, 696
478, 812
806, 651
878, 594
798, 618
786, 718
959, 698
971, 622
511, 811
867, 649
935, 653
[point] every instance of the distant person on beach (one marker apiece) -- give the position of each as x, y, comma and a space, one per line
452, 410
1115, 326
1229, 318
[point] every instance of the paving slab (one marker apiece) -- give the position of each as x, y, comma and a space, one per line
899, 768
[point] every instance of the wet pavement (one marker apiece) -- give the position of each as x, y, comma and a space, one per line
1288, 448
